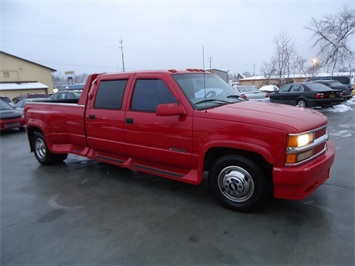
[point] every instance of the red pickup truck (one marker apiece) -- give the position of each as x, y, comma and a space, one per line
182, 124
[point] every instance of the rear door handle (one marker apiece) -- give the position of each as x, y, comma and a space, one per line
129, 120
92, 117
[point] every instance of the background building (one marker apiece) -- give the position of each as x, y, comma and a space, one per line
221, 73
19, 76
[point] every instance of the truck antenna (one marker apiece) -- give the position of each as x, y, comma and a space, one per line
121, 46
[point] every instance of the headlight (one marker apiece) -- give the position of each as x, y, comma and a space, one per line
300, 140
304, 146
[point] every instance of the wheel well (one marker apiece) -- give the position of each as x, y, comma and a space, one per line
31, 131
215, 153
301, 99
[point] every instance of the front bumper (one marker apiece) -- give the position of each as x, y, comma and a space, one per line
297, 182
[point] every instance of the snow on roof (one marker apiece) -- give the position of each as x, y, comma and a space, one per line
253, 78
299, 76
22, 86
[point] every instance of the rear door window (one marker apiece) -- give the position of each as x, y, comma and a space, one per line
110, 94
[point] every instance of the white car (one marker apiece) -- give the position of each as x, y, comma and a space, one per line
269, 88
252, 93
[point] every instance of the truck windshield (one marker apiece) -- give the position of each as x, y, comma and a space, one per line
206, 90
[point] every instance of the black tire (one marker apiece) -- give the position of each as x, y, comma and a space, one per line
239, 184
42, 153
302, 103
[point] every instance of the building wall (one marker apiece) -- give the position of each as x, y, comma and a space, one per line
13, 69
258, 82
222, 74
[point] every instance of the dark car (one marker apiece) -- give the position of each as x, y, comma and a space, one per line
65, 95
307, 94
5, 99
336, 85
29, 95
346, 80
21, 104
10, 118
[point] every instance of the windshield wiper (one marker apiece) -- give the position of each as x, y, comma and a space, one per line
211, 100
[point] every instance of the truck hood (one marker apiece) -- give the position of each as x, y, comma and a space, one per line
279, 116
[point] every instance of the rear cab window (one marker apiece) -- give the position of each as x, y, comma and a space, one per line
110, 94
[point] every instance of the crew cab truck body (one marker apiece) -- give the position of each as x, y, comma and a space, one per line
181, 124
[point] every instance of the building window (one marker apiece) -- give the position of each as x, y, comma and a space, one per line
6, 74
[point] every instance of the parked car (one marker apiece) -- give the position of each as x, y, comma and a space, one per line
309, 94
21, 104
29, 95
252, 93
336, 85
64, 95
10, 117
5, 99
269, 88
342, 79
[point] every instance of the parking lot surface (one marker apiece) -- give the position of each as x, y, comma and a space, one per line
84, 212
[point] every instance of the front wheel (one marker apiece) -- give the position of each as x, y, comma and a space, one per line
239, 184
42, 153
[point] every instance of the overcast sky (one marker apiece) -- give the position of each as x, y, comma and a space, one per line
84, 36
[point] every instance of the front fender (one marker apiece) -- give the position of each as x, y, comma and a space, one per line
265, 151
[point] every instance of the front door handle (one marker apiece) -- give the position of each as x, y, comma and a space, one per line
92, 117
129, 120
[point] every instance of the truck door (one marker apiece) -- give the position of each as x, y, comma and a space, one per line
163, 140
104, 118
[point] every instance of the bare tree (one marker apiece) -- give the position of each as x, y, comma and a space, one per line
281, 64
285, 51
268, 69
332, 35
299, 65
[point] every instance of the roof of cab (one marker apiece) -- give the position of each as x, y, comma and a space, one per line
156, 71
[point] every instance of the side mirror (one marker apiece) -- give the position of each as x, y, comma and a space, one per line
170, 109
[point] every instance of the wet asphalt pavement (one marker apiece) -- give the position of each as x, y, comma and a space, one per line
89, 213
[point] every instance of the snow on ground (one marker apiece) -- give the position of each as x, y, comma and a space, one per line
341, 108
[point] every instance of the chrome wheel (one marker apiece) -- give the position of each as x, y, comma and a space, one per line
236, 184
302, 104
40, 148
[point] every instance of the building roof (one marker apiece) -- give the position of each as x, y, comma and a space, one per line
299, 76
218, 70
22, 86
52, 69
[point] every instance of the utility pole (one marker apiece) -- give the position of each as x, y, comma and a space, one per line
121, 46
210, 62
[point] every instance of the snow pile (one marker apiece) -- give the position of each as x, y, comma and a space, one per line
341, 108
351, 101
